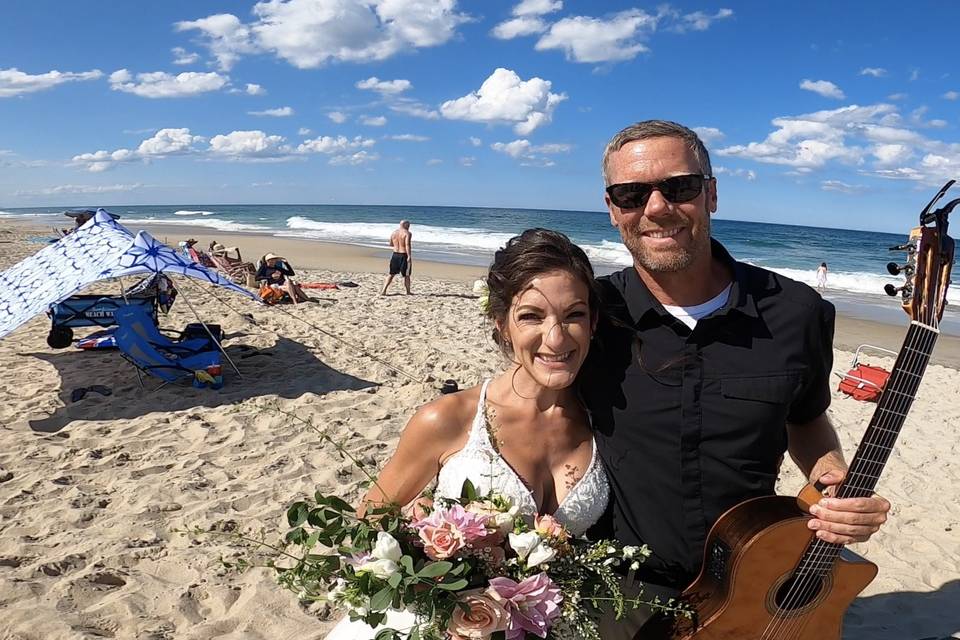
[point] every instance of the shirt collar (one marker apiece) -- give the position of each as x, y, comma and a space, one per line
641, 302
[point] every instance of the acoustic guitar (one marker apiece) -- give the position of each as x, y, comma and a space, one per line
764, 573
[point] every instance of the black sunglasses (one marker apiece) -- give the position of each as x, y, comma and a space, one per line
634, 195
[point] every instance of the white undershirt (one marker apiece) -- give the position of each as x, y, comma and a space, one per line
690, 315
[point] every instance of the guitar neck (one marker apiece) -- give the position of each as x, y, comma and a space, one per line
892, 408
877, 443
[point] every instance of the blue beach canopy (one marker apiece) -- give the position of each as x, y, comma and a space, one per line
102, 248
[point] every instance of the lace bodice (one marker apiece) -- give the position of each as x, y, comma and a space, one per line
488, 471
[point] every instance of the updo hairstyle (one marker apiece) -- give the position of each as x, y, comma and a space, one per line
526, 256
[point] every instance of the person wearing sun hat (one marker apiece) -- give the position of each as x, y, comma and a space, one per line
276, 272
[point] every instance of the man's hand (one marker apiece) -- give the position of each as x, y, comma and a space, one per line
846, 520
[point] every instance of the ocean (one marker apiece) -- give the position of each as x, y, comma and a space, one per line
462, 235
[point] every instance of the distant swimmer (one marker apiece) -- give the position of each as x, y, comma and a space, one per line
401, 262
822, 277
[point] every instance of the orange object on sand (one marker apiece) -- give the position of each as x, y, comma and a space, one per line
864, 382
318, 285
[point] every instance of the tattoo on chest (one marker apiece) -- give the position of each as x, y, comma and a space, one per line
572, 475
493, 427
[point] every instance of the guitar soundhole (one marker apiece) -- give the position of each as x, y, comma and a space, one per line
797, 592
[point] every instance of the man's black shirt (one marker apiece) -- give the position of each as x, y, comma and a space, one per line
690, 423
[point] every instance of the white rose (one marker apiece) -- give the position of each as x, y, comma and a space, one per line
387, 548
523, 543
540, 554
382, 568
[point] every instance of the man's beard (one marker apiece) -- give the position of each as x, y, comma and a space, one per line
671, 261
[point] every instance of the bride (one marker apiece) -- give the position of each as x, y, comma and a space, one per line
525, 433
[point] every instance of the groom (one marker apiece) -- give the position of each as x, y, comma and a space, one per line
705, 371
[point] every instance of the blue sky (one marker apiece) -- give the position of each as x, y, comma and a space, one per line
818, 113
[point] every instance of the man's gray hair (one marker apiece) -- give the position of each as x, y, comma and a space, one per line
658, 129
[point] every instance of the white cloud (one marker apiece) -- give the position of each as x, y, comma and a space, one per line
408, 137
159, 84
337, 117
895, 97
303, 131
14, 82
876, 72
80, 189
475, 141
255, 89
384, 87
709, 135
504, 98
467, 161
585, 39
249, 146
951, 95
842, 187
530, 154
227, 38
823, 87
310, 33
415, 109
537, 7
329, 144
373, 121
875, 139
165, 142
182, 56
748, 174
517, 27
432, 162
360, 157
914, 75
279, 112
698, 20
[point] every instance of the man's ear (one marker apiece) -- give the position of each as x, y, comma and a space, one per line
611, 207
711, 189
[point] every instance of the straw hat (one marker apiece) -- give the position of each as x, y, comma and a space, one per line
272, 256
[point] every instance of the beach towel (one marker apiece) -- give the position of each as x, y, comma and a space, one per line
271, 295
318, 285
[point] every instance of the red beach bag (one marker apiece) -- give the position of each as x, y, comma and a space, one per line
864, 382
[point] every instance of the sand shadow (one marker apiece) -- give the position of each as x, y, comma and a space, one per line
930, 615
287, 369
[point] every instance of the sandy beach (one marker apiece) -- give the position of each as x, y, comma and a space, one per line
92, 492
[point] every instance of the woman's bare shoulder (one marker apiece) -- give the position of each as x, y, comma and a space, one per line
449, 416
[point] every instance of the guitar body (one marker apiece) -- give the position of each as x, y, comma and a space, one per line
751, 553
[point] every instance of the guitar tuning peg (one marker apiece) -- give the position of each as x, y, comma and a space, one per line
892, 290
908, 247
894, 269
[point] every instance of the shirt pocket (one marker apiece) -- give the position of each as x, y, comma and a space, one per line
770, 389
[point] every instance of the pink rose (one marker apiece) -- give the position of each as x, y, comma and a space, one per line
485, 618
548, 527
440, 543
446, 531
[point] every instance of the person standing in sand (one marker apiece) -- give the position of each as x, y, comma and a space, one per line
707, 372
401, 262
822, 277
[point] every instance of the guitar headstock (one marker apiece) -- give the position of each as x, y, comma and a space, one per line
929, 261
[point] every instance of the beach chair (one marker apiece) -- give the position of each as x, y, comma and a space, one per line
201, 368
864, 382
193, 339
200, 257
91, 311
241, 273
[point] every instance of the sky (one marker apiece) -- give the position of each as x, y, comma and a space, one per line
815, 113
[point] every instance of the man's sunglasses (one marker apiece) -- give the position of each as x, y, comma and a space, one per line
677, 189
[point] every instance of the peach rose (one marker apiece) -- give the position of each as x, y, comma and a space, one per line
442, 542
486, 617
548, 527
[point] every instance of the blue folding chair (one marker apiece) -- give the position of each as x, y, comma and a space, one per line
142, 324
202, 367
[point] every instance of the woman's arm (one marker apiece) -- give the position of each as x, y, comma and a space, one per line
434, 432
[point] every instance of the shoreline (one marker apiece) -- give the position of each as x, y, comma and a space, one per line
852, 329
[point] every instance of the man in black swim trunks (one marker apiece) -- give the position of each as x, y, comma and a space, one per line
401, 262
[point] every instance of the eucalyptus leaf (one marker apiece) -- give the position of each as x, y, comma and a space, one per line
435, 569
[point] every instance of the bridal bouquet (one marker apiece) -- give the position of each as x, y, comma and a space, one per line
471, 568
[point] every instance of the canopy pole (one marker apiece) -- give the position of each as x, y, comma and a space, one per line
210, 333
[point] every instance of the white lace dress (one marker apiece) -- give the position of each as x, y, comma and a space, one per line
479, 462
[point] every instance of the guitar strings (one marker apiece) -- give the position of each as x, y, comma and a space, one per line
819, 554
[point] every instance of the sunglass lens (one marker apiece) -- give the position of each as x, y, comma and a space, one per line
631, 195
681, 188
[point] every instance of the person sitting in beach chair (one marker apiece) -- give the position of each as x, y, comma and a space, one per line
171, 363
276, 273
234, 268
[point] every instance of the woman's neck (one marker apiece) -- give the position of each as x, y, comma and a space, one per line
515, 387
